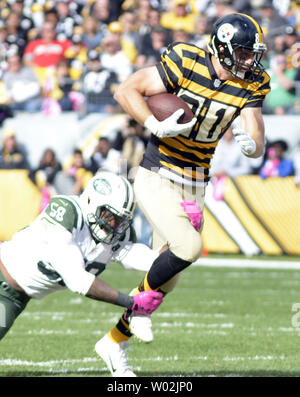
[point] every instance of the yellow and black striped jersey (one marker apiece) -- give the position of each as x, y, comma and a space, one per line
187, 71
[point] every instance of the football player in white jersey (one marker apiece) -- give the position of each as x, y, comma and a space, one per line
69, 244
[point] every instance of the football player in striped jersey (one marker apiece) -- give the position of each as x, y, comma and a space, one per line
220, 84
69, 244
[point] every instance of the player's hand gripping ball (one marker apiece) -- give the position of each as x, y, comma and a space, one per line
171, 116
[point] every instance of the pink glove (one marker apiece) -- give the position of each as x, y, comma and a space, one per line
146, 302
194, 212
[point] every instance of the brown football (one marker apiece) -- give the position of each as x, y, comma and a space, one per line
165, 104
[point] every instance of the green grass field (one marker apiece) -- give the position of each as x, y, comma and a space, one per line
217, 322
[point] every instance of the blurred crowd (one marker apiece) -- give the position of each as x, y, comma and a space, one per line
66, 55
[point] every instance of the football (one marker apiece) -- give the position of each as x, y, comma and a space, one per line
165, 104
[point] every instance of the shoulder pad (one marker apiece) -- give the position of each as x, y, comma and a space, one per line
65, 211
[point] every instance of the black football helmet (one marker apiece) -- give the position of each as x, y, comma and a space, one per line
235, 31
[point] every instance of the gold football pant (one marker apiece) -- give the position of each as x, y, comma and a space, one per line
160, 200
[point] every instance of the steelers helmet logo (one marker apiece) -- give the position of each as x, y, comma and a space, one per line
225, 32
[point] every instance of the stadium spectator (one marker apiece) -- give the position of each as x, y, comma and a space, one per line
145, 41
16, 35
4, 45
227, 161
152, 50
201, 35
105, 157
114, 59
64, 86
179, 17
277, 45
77, 55
100, 10
181, 35
143, 9
222, 8
98, 85
43, 54
129, 23
74, 176
91, 34
276, 164
135, 140
9, 45
116, 9
22, 86
144, 31
69, 246
26, 22
37, 12
291, 36
282, 98
12, 155
270, 20
171, 179
50, 15
205, 7
124, 44
282, 43
296, 161
44, 174
248, 7
68, 19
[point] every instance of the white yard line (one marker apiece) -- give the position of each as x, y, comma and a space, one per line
52, 365
15, 362
248, 263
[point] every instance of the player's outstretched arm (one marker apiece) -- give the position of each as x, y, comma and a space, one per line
143, 303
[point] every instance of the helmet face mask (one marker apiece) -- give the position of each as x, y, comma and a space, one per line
245, 71
235, 39
106, 226
108, 204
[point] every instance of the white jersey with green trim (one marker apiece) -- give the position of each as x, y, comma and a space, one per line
57, 251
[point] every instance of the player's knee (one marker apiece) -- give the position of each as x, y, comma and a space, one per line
190, 248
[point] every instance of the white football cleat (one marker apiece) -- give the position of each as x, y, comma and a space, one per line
115, 356
141, 327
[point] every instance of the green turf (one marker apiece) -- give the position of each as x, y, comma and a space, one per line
217, 322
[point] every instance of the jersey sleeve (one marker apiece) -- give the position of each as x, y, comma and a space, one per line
136, 256
61, 217
133, 255
65, 212
259, 92
67, 260
175, 64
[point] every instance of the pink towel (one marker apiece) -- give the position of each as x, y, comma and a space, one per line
194, 212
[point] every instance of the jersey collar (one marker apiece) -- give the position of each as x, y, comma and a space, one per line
215, 81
